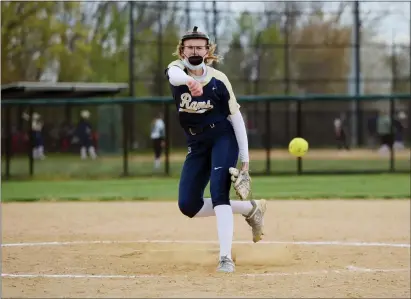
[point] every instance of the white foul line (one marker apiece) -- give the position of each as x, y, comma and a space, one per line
349, 269
5, 275
307, 243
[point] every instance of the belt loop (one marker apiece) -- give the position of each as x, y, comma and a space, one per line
212, 126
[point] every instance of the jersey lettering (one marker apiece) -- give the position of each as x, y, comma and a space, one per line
188, 105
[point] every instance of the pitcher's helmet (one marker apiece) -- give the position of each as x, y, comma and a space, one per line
195, 34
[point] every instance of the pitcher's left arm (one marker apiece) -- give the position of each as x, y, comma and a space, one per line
240, 178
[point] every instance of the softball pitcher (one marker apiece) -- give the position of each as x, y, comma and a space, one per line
216, 135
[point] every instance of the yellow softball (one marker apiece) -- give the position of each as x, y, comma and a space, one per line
298, 147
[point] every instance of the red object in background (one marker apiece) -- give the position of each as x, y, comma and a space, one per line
15, 143
65, 143
19, 142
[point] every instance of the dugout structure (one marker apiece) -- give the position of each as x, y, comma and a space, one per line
25, 94
301, 127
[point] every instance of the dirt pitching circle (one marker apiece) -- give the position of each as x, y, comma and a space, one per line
330, 248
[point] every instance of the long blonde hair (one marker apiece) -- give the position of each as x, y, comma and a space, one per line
211, 56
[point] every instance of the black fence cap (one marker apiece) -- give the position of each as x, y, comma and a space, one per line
35, 90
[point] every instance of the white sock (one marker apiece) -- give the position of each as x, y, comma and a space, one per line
207, 209
92, 152
237, 206
225, 228
83, 152
41, 152
242, 207
157, 163
35, 153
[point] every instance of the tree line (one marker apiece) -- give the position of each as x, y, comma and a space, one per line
289, 48
280, 50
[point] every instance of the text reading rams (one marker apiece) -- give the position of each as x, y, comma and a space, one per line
188, 105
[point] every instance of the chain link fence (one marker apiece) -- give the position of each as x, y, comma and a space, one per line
269, 48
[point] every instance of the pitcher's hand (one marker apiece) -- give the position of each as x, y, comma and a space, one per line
195, 88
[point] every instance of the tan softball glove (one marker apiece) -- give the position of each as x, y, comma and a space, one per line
241, 182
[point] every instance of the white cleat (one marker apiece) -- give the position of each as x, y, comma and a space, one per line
256, 218
226, 265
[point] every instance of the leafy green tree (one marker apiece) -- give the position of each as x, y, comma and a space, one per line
40, 38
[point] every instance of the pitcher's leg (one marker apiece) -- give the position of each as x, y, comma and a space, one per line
224, 156
192, 188
194, 178
242, 207
225, 152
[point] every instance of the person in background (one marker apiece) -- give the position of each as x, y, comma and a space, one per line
372, 129
399, 126
340, 132
84, 134
157, 136
384, 132
37, 133
65, 135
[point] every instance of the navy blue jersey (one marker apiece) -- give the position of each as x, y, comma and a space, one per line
217, 102
84, 129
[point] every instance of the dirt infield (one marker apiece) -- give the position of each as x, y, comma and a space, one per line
365, 262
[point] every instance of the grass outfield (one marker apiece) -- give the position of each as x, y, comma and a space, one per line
296, 187
71, 167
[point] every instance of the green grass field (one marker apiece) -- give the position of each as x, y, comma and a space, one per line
292, 187
141, 164
62, 177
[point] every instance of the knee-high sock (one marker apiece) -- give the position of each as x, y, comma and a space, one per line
92, 152
40, 151
83, 152
157, 163
35, 153
237, 206
225, 228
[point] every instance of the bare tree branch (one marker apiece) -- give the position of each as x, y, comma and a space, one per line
341, 9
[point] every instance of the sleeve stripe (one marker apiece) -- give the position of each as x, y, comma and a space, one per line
177, 63
232, 102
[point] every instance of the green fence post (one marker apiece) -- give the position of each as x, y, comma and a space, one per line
167, 137
8, 140
268, 137
31, 142
299, 134
392, 133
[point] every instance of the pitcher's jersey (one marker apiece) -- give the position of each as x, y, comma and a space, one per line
217, 102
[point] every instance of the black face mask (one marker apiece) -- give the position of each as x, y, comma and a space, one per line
195, 60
